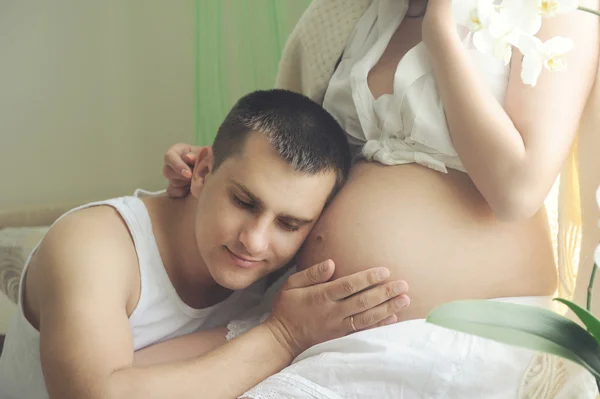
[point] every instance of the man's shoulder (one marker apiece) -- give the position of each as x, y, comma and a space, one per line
87, 251
87, 238
98, 226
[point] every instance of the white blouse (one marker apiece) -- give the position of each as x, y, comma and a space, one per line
408, 126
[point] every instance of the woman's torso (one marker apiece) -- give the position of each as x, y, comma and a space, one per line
432, 229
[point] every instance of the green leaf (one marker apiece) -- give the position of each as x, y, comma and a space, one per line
592, 323
524, 326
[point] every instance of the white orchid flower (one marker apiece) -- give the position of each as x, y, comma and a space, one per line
489, 42
549, 54
549, 8
522, 15
497, 27
490, 30
532, 11
473, 14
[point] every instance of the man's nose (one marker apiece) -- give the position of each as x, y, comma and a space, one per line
255, 238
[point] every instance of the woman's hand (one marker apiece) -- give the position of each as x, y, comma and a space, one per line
310, 309
179, 163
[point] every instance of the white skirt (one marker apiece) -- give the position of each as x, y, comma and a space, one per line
415, 359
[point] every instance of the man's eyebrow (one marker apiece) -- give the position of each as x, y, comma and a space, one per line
248, 193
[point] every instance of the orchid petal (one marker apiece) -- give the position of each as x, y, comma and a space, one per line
529, 45
484, 42
531, 68
464, 13
557, 45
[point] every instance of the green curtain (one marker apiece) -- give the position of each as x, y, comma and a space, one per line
238, 47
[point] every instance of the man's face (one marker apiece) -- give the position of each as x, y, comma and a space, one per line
254, 212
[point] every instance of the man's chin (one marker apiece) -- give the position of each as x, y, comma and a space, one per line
234, 281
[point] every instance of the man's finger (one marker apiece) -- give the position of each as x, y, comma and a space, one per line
386, 322
316, 274
373, 297
354, 283
373, 317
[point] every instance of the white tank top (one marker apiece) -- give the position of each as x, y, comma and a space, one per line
409, 125
159, 315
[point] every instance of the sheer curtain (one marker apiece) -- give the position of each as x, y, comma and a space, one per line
237, 50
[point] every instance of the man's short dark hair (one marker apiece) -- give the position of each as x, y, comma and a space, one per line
304, 134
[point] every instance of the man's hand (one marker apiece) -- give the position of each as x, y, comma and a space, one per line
310, 309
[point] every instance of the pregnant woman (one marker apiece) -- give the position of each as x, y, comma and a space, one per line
455, 156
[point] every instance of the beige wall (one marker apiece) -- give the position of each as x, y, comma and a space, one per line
92, 93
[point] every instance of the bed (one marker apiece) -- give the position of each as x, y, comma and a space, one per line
20, 231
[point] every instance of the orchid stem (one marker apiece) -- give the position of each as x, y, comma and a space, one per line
595, 12
590, 288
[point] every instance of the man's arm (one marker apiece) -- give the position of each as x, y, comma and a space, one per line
181, 348
86, 343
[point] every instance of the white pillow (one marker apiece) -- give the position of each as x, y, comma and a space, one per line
16, 243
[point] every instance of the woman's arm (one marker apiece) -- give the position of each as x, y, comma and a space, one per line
513, 152
182, 348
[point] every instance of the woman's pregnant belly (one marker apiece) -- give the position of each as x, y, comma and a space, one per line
434, 231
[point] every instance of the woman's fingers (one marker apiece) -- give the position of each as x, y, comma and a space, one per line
176, 176
179, 159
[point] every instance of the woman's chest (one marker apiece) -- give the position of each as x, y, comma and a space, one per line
381, 77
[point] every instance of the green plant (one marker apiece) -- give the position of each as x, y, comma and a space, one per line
531, 327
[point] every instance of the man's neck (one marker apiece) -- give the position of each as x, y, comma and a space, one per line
173, 224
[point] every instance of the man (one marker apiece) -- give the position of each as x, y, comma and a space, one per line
116, 276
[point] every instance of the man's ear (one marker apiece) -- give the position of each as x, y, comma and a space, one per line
203, 166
